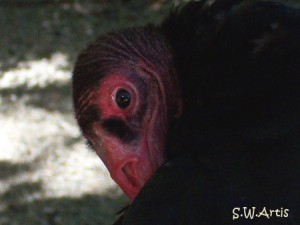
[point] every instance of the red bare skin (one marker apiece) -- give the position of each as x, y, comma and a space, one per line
132, 164
130, 138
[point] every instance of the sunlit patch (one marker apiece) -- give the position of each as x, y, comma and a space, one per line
38, 73
43, 159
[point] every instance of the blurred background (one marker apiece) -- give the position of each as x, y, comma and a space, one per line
47, 175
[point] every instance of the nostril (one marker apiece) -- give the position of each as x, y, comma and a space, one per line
130, 174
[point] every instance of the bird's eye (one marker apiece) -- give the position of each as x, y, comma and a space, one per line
123, 98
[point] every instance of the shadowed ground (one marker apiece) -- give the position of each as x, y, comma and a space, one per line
47, 176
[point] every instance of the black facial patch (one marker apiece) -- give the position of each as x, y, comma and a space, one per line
119, 129
88, 117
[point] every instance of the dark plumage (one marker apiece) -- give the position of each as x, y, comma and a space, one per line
212, 98
237, 142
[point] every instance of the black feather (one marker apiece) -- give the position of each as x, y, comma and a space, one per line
237, 143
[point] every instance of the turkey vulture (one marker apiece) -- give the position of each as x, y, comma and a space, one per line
197, 119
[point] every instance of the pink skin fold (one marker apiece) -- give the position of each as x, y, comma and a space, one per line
131, 164
130, 140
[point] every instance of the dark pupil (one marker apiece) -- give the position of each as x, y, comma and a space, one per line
123, 98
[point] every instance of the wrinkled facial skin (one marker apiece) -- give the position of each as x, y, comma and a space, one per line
130, 140
126, 94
